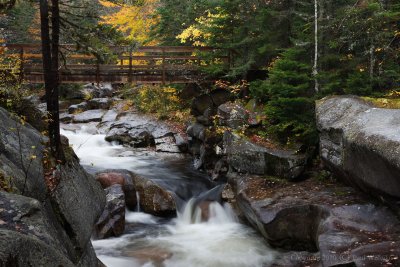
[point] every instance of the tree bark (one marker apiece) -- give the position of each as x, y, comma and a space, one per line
50, 47
315, 67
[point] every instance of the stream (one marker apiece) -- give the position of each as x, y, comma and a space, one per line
184, 241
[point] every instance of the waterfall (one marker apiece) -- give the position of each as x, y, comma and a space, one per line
137, 201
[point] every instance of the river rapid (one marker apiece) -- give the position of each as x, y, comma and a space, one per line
185, 241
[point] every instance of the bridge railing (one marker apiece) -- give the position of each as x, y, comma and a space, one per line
146, 64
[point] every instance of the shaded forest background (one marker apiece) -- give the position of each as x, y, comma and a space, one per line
308, 48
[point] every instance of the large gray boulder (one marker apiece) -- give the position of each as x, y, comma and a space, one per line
28, 237
331, 220
21, 153
72, 205
79, 200
361, 143
247, 157
136, 130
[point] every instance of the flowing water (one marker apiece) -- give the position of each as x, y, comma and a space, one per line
190, 240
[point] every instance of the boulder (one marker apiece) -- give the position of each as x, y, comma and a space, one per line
21, 156
330, 219
136, 130
28, 237
111, 177
232, 115
153, 198
361, 144
247, 157
94, 115
166, 144
81, 107
78, 200
99, 103
112, 222
74, 204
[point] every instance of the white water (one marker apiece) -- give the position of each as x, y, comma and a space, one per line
187, 241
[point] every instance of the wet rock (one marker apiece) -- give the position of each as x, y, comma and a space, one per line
361, 144
153, 198
81, 107
204, 207
66, 118
110, 116
110, 177
248, 157
329, 219
89, 116
220, 171
150, 254
112, 222
166, 144
99, 103
136, 130
181, 142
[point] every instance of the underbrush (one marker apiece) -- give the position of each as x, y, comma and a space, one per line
390, 101
162, 101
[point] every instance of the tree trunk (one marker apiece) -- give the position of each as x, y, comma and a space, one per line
50, 48
315, 67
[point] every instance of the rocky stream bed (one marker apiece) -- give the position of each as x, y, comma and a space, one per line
250, 206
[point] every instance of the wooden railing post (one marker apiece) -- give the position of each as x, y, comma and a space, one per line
97, 73
130, 66
163, 67
21, 67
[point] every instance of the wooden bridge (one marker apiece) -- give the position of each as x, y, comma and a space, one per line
146, 64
